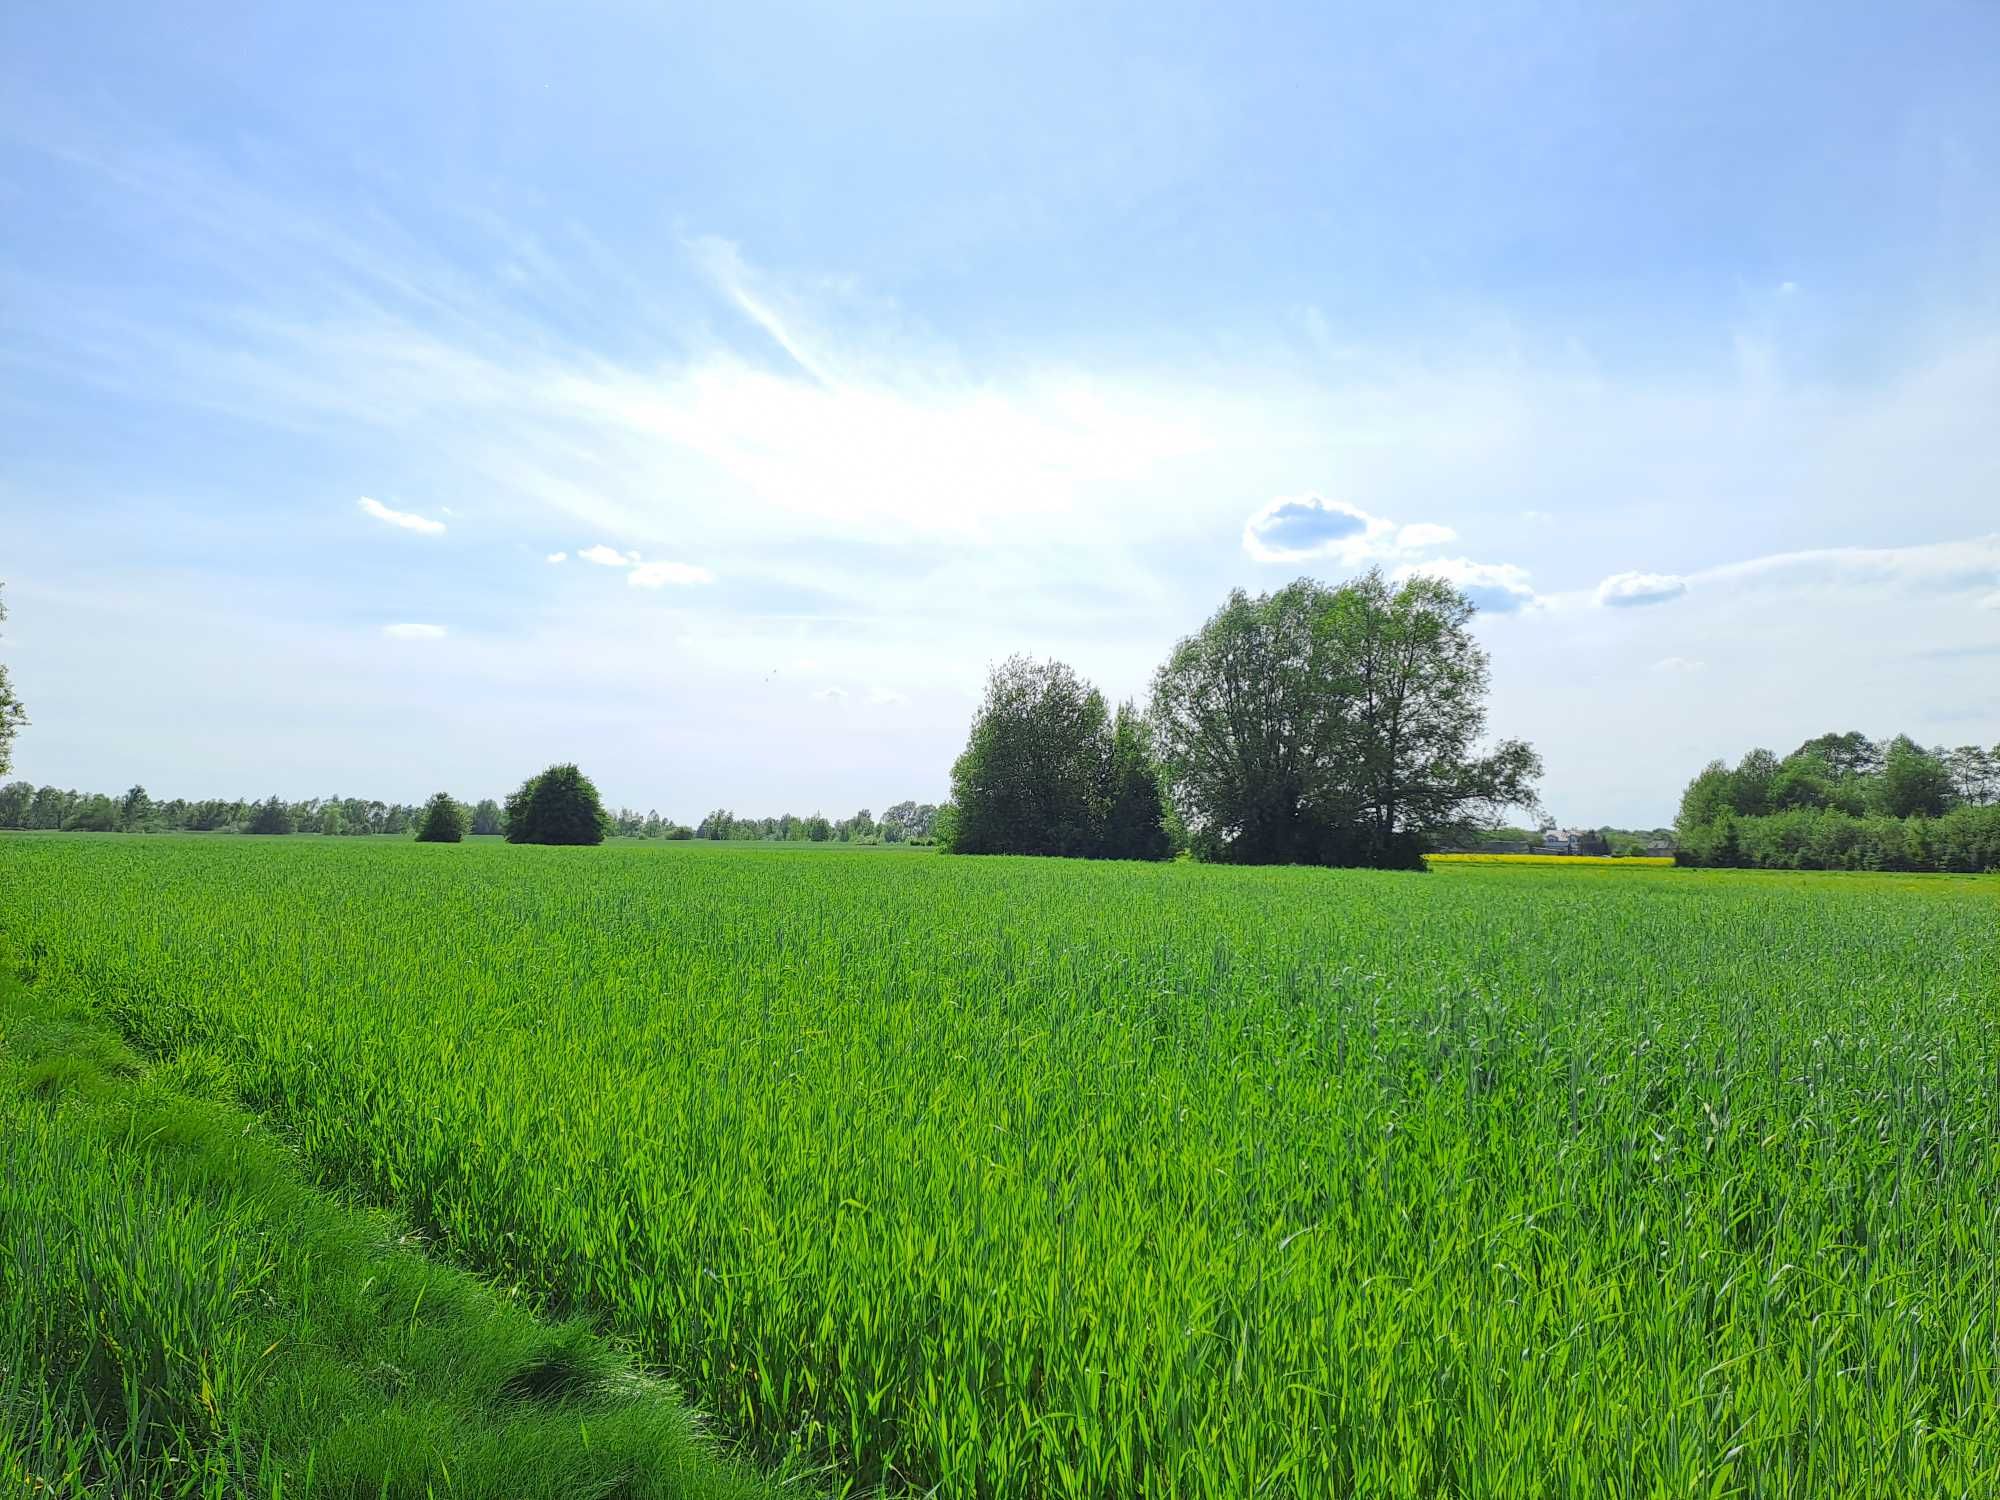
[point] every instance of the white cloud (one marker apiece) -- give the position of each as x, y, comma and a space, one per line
831, 694
1423, 534
607, 557
556, 557
654, 575
408, 520
882, 696
1935, 567
413, 632
1623, 590
1991, 601
1496, 588
1680, 665
1296, 528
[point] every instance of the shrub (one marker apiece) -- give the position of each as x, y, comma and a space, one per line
443, 821
560, 806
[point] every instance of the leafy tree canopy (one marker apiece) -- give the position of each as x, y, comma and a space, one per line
271, 816
559, 806
1322, 725
443, 821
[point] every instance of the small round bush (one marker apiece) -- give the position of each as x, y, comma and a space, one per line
560, 806
443, 821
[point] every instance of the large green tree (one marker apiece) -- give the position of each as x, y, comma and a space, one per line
558, 806
1319, 725
443, 821
270, 816
1134, 816
1409, 748
1913, 781
1031, 778
12, 715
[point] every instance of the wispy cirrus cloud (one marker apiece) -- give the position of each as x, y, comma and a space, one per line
1625, 590
901, 502
404, 519
659, 575
641, 574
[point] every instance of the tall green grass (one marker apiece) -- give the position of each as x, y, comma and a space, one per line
181, 1316
1017, 1177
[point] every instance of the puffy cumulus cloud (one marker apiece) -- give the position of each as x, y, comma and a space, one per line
1295, 528
1496, 588
657, 575
556, 557
414, 632
406, 520
1625, 590
607, 557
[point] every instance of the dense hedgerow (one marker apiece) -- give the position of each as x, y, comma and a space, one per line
1963, 840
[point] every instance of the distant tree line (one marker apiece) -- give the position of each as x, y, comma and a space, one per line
26, 806
1846, 802
1313, 725
904, 823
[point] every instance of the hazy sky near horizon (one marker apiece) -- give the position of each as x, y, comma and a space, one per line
398, 398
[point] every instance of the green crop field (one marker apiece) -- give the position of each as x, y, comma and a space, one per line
1021, 1177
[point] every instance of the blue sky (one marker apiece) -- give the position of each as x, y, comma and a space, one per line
840, 351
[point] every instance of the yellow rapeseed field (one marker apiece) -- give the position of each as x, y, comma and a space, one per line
1636, 861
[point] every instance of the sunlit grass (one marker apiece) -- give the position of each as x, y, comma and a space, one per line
1021, 1177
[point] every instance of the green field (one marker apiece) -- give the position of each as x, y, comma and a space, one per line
1018, 1177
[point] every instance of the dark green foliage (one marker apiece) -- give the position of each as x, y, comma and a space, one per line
1134, 817
1031, 778
271, 816
93, 815
560, 806
1843, 802
1046, 771
1913, 783
443, 821
1334, 726
486, 817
